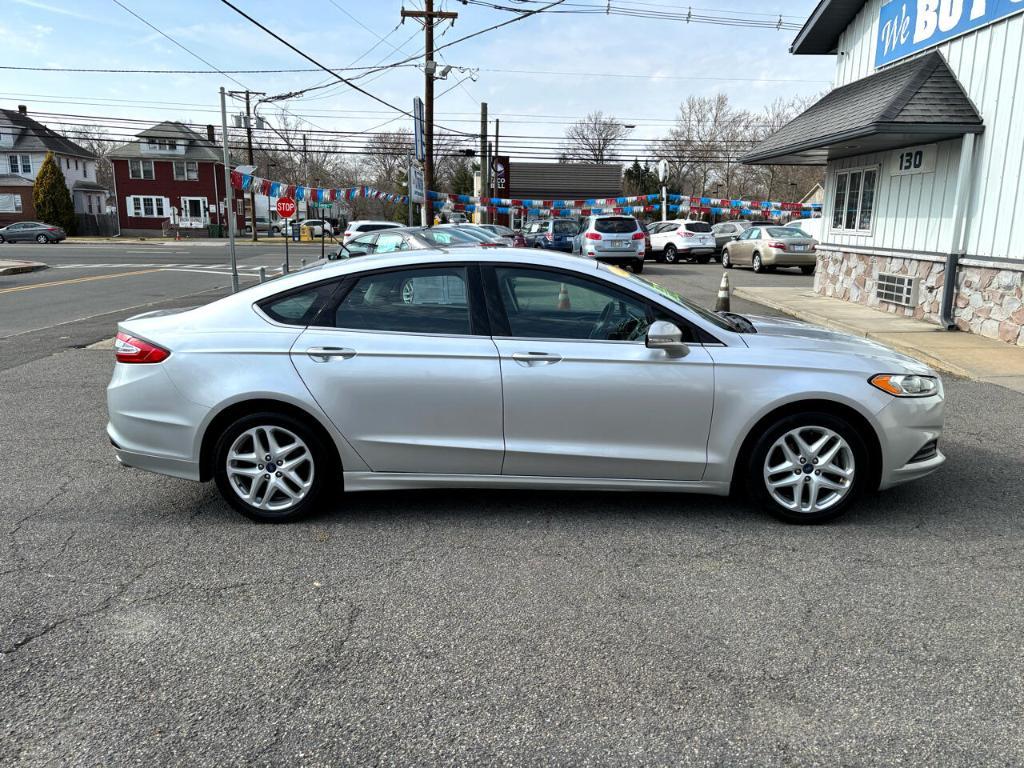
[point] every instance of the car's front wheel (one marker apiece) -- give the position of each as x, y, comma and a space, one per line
271, 467
808, 468
2, 239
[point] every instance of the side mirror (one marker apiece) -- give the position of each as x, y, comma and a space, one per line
666, 336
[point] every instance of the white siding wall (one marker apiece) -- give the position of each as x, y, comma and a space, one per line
911, 213
989, 63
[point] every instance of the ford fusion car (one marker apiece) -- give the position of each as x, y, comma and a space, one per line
510, 369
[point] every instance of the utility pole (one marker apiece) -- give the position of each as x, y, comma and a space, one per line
252, 160
429, 16
228, 198
484, 163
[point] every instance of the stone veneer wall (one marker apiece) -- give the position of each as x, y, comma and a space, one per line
989, 301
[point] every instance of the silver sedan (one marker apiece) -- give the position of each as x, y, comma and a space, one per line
510, 369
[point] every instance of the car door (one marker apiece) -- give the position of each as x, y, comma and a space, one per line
583, 395
658, 236
740, 251
402, 364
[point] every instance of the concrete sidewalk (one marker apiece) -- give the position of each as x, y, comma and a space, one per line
962, 354
8, 267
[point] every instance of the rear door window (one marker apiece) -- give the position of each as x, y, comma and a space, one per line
433, 300
698, 226
616, 225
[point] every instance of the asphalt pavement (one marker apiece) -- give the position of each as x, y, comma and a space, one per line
143, 622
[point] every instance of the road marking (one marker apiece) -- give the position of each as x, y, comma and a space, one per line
57, 283
129, 265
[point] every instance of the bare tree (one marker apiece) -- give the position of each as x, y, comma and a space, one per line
594, 139
99, 142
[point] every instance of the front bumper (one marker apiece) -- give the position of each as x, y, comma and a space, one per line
906, 426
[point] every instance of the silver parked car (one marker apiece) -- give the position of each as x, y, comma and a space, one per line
612, 239
727, 231
29, 231
510, 369
765, 248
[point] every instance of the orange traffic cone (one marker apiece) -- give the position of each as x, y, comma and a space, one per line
563, 298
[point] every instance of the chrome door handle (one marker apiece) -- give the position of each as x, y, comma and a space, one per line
323, 354
536, 358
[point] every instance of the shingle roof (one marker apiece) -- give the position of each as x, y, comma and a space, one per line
564, 180
36, 137
197, 146
10, 180
914, 102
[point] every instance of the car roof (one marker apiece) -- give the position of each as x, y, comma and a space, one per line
358, 222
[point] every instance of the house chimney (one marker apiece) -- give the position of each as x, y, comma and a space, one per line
22, 109
209, 134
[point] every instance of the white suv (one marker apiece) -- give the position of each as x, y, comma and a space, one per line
682, 239
613, 239
362, 227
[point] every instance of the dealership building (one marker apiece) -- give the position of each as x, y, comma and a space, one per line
923, 143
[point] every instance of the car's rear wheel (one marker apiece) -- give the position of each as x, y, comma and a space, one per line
42, 239
757, 265
808, 468
703, 259
670, 255
726, 261
808, 270
271, 467
638, 266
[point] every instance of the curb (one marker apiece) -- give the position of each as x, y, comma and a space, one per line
18, 267
824, 321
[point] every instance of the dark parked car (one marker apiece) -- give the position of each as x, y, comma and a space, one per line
553, 234
31, 230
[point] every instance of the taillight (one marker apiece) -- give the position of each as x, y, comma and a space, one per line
779, 246
549, 237
129, 349
685, 232
593, 235
638, 235
348, 234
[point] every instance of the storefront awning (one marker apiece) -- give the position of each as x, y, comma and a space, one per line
914, 103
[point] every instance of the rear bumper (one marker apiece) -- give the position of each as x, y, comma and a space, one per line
161, 465
787, 259
618, 258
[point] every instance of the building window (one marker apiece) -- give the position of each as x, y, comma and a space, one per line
140, 169
85, 169
186, 170
853, 203
163, 145
20, 163
143, 206
10, 203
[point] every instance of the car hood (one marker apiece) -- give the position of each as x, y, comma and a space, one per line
783, 333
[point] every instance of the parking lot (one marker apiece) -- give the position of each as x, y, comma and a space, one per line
144, 622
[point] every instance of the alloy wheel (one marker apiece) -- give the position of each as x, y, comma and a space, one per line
41, 239
670, 254
757, 262
726, 261
270, 468
809, 469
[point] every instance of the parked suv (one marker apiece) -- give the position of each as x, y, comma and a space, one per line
613, 239
682, 239
553, 234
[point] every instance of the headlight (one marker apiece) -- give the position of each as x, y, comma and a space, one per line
905, 385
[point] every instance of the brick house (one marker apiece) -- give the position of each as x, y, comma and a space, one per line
24, 143
170, 175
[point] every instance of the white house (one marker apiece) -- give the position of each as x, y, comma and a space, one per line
923, 143
23, 147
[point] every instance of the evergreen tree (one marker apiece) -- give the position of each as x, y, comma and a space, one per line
462, 179
51, 197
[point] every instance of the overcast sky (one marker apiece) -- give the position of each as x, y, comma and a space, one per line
577, 63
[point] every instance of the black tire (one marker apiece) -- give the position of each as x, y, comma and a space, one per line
702, 259
324, 466
757, 264
726, 260
638, 267
42, 239
756, 484
808, 270
669, 255
2, 239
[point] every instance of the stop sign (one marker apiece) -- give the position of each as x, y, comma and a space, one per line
285, 207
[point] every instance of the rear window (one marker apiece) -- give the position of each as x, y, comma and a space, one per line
374, 227
616, 226
565, 227
697, 226
785, 232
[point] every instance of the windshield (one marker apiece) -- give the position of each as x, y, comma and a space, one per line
446, 236
616, 226
715, 319
565, 227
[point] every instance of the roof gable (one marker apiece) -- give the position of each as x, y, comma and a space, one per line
33, 136
197, 146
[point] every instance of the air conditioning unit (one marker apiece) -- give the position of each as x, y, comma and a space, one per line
897, 289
